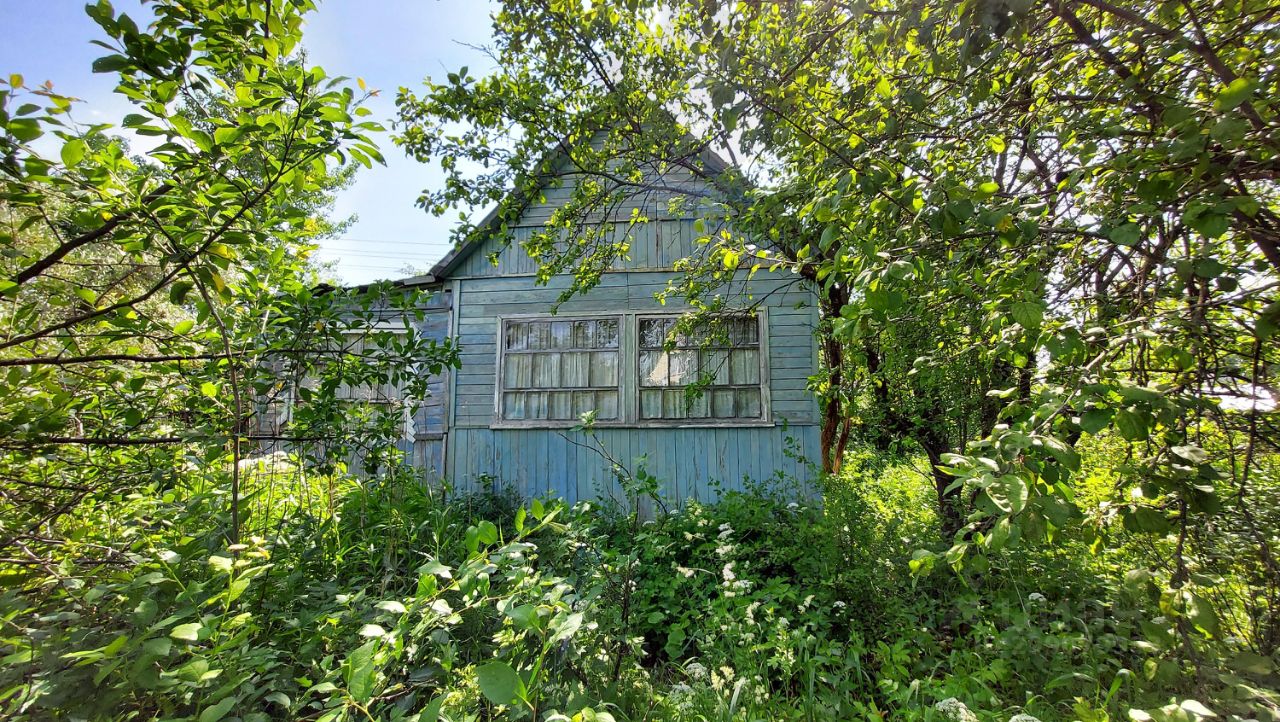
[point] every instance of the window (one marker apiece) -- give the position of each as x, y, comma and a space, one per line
358, 347
631, 368
559, 370
723, 361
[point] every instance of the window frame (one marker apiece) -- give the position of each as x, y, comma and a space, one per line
628, 373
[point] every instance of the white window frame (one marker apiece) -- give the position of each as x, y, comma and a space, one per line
408, 406
629, 375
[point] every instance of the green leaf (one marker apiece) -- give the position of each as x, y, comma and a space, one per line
1203, 616
986, 190
1268, 322
224, 136
1252, 663
1194, 454
1212, 225
567, 627
1209, 268
1029, 314
525, 616
24, 129
500, 683
360, 671
110, 64
488, 532
1128, 234
1132, 425
1234, 94
73, 152
1095, 420
184, 327
217, 711
187, 632
431, 713
209, 389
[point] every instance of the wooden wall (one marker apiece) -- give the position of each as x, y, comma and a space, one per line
481, 450
687, 459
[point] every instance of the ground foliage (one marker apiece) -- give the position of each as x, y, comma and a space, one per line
379, 598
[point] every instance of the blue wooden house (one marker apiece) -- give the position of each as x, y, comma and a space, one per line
506, 416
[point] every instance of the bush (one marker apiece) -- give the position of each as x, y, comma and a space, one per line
381, 598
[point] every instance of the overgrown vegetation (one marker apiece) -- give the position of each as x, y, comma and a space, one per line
381, 599
1044, 240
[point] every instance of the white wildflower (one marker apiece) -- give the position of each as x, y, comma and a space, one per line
839, 604
1023, 717
696, 671
685, 571
954, 710
727, 572
1035, 597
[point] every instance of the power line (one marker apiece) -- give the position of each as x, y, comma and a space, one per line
362, 254
445, 244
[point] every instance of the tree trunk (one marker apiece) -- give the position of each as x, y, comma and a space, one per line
950, 518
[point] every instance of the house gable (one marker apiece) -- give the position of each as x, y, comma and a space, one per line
659, 220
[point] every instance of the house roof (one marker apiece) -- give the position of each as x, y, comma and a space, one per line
441, 270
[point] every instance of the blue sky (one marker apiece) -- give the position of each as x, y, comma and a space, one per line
389, 43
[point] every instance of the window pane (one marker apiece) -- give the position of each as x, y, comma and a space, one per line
546, 370
517, 371
744, 332
606, 333
583, 401
748, 403
744, 367
651, 404
513, 406
653, 368
722, 403
673, 406
517, 336
539, 336
716, 364
700, 407
583, 334
607, 404
561, 334
535, 405
683, 367
604, 368
653, 332
561, 405
575, 369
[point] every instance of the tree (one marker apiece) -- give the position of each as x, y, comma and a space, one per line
1029, 224
149, 300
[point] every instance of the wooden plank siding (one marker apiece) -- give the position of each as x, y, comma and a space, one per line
689, 457
539, 461
685, 458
